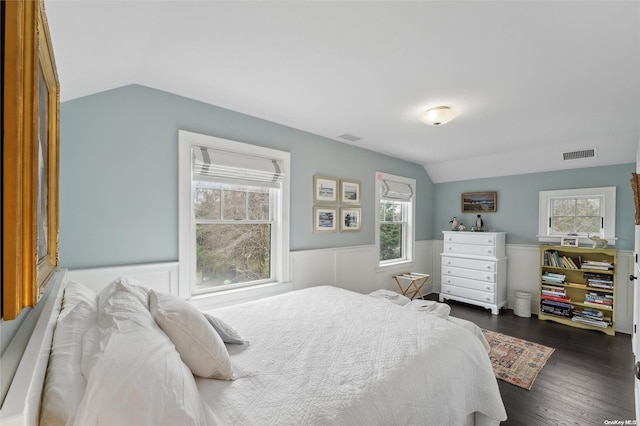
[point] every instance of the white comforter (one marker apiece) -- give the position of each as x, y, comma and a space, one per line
327, 356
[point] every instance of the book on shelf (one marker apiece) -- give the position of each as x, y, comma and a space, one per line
598, 266
589, 321
550, 277
556, 298
565, 305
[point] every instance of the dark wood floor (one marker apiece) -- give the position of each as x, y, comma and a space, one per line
587, 380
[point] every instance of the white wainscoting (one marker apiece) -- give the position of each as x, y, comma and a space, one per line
355, 268
159, 276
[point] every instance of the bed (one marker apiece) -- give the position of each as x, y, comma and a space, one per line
318, 356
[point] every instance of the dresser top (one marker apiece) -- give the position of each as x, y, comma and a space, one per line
474, 232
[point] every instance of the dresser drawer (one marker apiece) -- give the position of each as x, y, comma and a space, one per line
480, 265
470, 238
468, 293
468, 283
477, 250
473, 274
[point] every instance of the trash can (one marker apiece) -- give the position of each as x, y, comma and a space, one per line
523, 304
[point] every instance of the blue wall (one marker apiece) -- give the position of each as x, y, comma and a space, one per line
517, 211
119, 179
119, 175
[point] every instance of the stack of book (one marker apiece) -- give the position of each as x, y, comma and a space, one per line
590, 316
555, 301
599, 280
603, 265
600, 299
553, 278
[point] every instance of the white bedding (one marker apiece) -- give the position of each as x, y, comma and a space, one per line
327, 356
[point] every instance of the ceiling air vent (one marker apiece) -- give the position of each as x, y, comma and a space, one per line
350, 138
579, 155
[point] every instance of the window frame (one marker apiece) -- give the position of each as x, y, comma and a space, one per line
608, 211
409, 215
187, 222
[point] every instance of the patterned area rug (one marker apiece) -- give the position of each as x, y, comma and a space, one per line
514, 360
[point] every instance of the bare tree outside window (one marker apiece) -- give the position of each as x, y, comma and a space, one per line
580, 216
233, 233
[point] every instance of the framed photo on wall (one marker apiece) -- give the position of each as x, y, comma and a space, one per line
350, 219
325, 219
349, 191
325, 190
479, 202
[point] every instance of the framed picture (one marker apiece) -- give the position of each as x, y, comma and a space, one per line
324, 219
349, 191
325, 190
473, 202
350, 218
569, 241
30, 157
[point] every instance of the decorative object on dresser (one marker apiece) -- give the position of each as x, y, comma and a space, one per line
577, 287
455, 223
474, 269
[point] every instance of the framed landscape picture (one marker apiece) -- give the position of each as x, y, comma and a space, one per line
349, 191
473, 202
324, 219
350, 219
325, 190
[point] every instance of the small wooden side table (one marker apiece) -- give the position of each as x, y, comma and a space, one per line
411, 282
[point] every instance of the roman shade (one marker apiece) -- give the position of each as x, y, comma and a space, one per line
219, 164
393, 190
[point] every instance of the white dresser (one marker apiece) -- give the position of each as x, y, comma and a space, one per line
474, 269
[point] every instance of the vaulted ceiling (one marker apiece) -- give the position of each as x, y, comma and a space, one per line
530, 80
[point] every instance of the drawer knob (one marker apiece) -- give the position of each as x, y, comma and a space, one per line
487, 298
488, 278
448, 291
489, 267
489, 251
488, 288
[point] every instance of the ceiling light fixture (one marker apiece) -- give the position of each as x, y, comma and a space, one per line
437, 115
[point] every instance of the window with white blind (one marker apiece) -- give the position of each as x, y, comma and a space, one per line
395, 198
582, 212
233, 214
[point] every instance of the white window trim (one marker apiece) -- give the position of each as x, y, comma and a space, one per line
544, 206
410, 244
186, 223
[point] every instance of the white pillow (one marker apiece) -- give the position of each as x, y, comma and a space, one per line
200, 347
136, 376
225, 331
75, 293
64, 383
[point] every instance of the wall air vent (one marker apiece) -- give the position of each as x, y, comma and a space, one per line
350, 138
581, 154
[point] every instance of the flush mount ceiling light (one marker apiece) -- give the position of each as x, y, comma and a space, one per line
437, 115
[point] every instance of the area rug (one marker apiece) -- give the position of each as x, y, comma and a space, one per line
514, 360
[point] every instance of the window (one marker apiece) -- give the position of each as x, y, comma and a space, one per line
581, 212
395, 197
234, 201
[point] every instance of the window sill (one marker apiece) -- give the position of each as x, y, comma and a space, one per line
404, 264
234, 296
